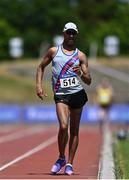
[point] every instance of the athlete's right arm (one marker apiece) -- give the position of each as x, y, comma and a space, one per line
40, 72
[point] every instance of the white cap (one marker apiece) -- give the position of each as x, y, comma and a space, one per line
70, 25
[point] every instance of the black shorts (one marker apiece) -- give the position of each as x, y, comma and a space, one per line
76, 100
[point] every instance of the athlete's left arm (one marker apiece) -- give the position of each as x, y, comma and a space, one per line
85, 74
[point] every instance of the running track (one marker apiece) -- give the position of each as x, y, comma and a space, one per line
29, 151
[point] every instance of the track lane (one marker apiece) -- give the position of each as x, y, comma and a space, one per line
9, 150
8, 129
22, 133
38, 165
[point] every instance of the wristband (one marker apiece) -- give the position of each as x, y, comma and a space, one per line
81, 74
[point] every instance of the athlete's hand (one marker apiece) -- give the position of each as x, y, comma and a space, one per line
77, 69
40, 93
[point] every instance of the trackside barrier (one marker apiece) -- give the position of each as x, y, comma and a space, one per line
39, 113
47, 113
10, 113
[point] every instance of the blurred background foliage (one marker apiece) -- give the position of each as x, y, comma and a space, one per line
38, 21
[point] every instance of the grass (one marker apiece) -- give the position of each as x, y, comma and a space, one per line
121, 157
17, 81
20, 88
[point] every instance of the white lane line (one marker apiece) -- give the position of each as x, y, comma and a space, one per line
20, 134
111, 72
6, 128
41, 146
106, 164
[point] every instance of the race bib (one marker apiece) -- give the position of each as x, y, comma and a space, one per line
69, 82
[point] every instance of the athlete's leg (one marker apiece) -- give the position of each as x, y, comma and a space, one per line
63, 117
75, 115
101, 118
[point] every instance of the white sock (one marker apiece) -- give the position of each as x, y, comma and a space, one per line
69, 164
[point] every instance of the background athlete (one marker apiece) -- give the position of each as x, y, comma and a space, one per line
104, 98
68, 65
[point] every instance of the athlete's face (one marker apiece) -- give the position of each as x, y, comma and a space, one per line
70, 36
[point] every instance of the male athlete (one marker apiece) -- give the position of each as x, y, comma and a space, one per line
68, 65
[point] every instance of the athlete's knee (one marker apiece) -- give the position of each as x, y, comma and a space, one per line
63, 127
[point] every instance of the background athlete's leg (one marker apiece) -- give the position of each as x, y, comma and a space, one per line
75, 115
63, 116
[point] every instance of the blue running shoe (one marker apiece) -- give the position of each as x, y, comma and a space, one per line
56, 168
68, 169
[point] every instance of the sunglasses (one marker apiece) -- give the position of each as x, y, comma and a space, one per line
71, 32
